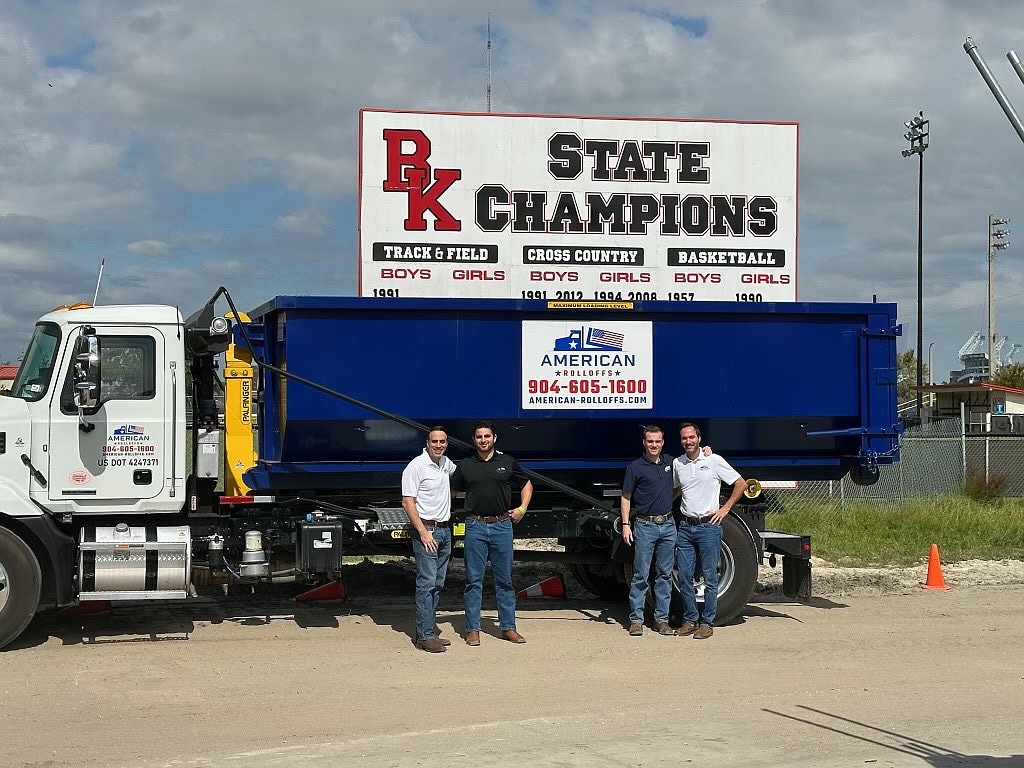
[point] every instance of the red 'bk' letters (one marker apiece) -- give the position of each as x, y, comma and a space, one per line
411, 173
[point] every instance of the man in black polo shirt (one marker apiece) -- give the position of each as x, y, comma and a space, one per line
488, 478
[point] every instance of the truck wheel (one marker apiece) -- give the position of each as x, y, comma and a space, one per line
606, 581
863, 476
737, 574
20, 585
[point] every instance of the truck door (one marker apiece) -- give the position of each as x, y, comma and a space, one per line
124, 455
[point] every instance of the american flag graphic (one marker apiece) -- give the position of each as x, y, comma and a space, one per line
607, 339
130, 429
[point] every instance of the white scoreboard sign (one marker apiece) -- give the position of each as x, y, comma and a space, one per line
576, 209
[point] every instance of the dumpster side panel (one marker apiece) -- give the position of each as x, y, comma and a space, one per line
787, 390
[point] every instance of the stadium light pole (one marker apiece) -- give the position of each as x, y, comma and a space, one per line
917, 135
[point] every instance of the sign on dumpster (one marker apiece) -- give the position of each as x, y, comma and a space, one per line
582, 366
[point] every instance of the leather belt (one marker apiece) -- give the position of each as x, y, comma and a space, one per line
431, 524
699, 520
656, 519
490, 518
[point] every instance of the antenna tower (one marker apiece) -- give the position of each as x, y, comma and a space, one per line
488, 62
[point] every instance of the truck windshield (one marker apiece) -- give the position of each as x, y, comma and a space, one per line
36, 370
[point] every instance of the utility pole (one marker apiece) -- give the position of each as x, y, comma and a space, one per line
931, 375
996, 242
917, 135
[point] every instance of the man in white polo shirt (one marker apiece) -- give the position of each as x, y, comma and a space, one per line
700, 479
427, 500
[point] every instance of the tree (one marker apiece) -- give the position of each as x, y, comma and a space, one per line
1011, 375
906, 376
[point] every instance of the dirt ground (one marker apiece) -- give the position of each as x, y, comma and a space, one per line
873, 671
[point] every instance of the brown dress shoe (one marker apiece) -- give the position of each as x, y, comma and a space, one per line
430, 645
437, 634
512, 636
472, 638
443, 642
635, 630
664, 628
704, 631
688, 628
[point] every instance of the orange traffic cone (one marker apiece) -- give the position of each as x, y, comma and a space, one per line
553, 586
934, 579
332, 590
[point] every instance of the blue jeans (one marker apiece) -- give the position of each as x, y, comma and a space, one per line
703, 542
491, 541
657, 542
431, 568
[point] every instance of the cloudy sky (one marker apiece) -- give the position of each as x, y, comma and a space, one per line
198, 144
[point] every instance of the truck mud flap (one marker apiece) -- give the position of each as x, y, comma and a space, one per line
796, 561
796, 578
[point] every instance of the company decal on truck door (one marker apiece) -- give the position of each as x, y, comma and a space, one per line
576, 365
128, 445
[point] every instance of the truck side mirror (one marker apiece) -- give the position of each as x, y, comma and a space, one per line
87, 369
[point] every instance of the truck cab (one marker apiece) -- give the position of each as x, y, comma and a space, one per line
77, 468
126, 452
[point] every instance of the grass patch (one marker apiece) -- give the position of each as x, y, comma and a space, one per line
863, 534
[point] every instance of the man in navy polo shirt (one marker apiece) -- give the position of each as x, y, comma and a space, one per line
648, 492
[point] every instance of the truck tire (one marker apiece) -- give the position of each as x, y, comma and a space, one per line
737, 574
607, 581
863, 476
20, 586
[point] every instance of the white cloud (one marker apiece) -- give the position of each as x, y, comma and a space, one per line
12, 256
306, 222
149, 248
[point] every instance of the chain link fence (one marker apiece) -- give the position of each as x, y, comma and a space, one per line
935, 459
